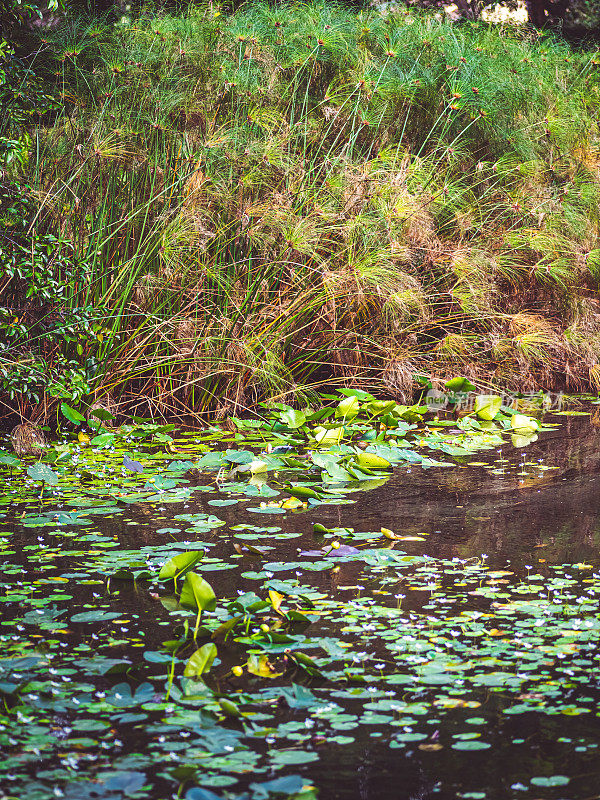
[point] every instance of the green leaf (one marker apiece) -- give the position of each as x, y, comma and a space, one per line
459, 385
358, 393
179, 564
42, 472
330, 463
551, 780
303, 492
197, 593
293, 757
103, 439
487, 405
100, 413
320, 529
95, 616
293, 418
73, 416
201, 661
228, 708
306, 663
471, 744
371, 461
9, 460
286, 786
348, 408
377, 407
298, 696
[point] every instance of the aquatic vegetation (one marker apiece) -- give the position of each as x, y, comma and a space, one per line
159, 638
351, 437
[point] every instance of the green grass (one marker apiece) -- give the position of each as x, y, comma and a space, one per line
291, 196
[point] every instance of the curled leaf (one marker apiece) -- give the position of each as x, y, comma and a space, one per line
197, 593
260, 666
201, 661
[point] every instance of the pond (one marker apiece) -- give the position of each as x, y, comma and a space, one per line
399, 607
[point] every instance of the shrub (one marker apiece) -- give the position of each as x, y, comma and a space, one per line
292, 195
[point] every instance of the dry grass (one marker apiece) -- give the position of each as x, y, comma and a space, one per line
293, 196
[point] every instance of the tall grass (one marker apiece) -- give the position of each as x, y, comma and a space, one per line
295, 195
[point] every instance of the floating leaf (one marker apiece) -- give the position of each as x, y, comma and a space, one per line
42, 473
551, 780
259, 665
471, 744
288, 785
298, 696
197, 793
293, 418
9, 460
103, 439
121, 695
95, 616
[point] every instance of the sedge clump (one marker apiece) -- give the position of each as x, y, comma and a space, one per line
28, 440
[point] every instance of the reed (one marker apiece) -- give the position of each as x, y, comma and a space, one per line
292, 196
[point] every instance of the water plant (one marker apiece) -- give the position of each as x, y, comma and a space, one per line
321, 638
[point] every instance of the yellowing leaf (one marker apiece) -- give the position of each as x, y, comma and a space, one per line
348, 408
371, 461
276, 599
487, 406
327, 436
261, 666
523, 425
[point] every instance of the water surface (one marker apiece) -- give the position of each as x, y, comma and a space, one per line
389, 714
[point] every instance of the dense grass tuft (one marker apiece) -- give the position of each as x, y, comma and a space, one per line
300, 194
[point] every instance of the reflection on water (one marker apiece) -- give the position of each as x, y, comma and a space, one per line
519, 511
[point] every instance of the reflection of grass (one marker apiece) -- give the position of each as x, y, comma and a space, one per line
296, 194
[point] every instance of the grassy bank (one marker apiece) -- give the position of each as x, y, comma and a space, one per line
291, 196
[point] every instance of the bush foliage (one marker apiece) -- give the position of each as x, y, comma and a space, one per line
298, 194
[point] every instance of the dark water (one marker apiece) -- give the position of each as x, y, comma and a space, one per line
538, 507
